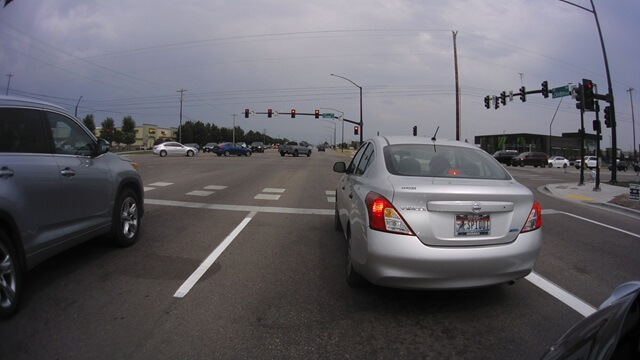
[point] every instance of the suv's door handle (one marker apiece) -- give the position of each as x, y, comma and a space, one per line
5, 172
67, 172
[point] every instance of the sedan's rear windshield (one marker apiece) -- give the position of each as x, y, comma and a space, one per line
442, 161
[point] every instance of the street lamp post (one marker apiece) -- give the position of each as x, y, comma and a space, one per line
334, 131
341, 117
78, 105
359, 87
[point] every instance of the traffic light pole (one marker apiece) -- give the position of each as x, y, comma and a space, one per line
598, 131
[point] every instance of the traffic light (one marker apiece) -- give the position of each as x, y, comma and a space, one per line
317, 114
415, 130
496, 102
596, 126
293, 113
588, 96
578, 91
487, 102
523, 94
607, 116
355, 130
246, 113
545, 89
503, 98
269, 113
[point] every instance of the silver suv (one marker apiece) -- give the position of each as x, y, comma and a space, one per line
59, 186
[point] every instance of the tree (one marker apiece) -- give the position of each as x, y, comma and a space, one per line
108, 130
128, 136
89, 123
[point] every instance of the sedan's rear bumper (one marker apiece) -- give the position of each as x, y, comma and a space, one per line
405, 262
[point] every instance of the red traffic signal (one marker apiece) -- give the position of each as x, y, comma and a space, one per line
246, 113
293, 113
355, 130
269, 113
317, 114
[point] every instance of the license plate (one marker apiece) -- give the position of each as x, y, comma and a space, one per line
472, 224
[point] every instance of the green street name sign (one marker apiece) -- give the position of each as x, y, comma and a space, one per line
327, 115
560, 91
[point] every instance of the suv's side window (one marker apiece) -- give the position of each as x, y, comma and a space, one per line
68, 136
22, 131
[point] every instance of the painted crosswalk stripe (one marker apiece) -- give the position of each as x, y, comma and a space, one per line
147, 188
273, 190
215, 187
200, 193
161, 184
267, 197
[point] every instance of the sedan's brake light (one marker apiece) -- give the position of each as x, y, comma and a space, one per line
384, 217
534, 221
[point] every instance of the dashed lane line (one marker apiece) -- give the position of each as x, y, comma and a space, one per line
245, 208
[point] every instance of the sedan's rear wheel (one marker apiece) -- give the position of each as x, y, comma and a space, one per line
126, 220
10, 277
353, 278
550, 165
163, 153
337, 224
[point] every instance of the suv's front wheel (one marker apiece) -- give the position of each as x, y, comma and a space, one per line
126, 219
10, 277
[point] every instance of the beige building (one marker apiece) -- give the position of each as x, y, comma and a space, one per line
147, 134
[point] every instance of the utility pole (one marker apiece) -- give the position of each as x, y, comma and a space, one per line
455, 57
234, 128
633, 123
521, 79
9, 75
181, 91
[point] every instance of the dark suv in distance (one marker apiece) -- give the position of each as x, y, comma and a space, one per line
531, 158
505, 156
59, 186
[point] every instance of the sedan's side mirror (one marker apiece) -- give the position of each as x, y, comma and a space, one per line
340, 167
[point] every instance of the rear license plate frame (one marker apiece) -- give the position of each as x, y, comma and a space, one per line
466, 225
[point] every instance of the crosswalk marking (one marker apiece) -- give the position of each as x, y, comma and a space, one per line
215, 187
200, 193
267, 197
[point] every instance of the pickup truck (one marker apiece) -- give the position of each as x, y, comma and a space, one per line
294, 148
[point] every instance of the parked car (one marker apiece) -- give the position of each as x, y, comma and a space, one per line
193, 145
505, 156
257, 146
559, 162
590, 162
173, 149
612, 332
228, 148
208, 147
59, 186
422, 213
531, 158
621, 165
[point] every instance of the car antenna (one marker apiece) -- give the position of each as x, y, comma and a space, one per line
434, 135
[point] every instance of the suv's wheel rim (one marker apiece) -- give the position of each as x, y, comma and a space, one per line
129, 218
7, 278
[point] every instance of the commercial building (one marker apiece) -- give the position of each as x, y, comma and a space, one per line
567, 145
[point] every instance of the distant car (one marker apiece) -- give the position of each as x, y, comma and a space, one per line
559, 162
531, 158
227, 149
59, 186
320, 147
173, 149
439, 214
208, 147
505, 156
590, 162
257, 146
612, 332
621, 165
193, 145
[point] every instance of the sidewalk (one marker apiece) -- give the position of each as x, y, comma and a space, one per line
609, 195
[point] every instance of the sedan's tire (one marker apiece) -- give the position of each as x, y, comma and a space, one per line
550, 165
248, 153
10, 277
126, 219
189, 153
219, 154
281, 153
336, 220
353, 278
564, 166
163, 153
226, 153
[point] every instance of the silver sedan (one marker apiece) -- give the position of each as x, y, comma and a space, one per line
423, 213
173, 149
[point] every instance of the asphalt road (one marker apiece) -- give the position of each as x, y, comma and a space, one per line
271, 281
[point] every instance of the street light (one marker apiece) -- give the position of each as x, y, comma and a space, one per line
341, 117
334, 131
359, 87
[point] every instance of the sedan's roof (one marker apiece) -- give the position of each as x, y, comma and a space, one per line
395, 140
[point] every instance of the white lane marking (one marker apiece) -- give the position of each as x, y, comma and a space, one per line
161, 184
331, 199
330, 192
200, 193
215, 187
559, 293
591, 221
272, 190
147, 188
267, 197
245, 208
206, 264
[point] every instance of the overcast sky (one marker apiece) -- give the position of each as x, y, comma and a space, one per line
132, 58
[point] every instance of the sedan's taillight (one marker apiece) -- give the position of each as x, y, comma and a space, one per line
534, 221
383, 216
